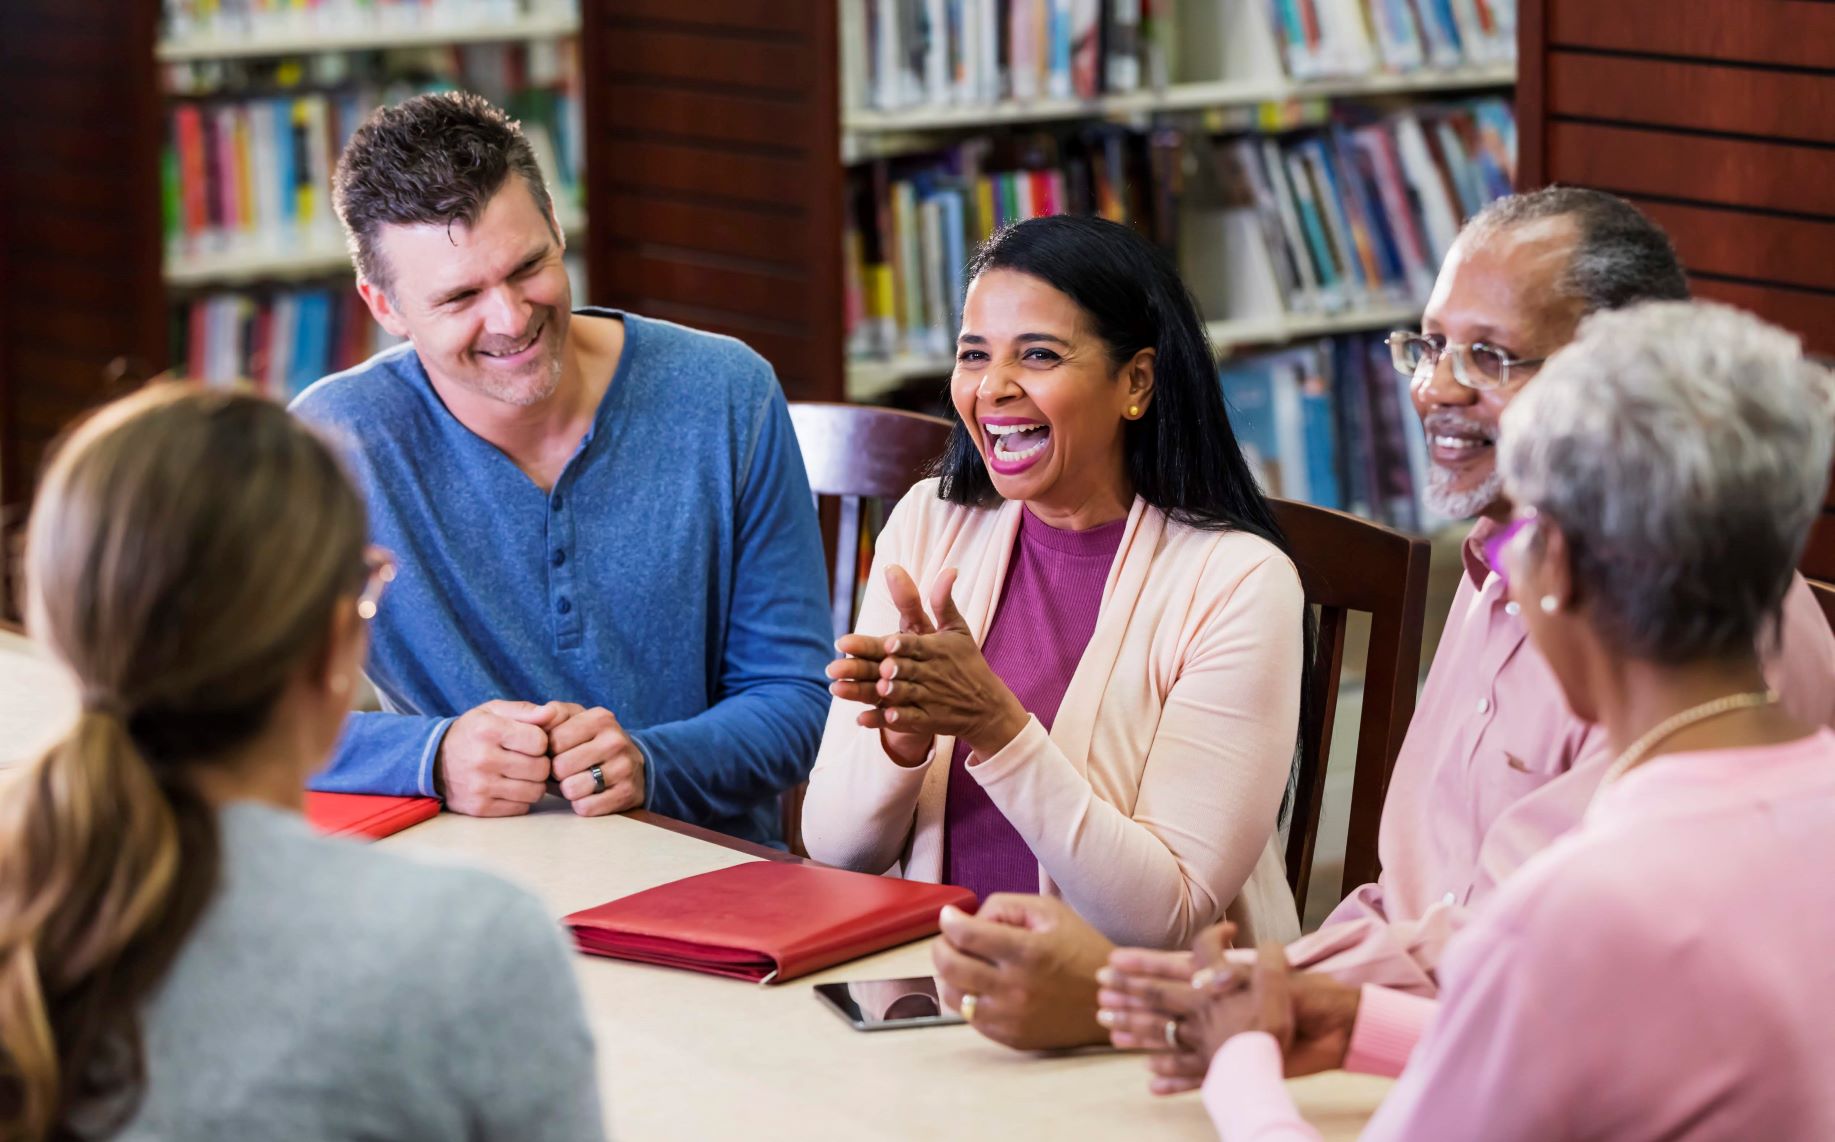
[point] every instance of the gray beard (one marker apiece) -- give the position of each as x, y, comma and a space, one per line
1443, 500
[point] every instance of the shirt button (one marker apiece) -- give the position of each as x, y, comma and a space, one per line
1484, 705
559, 557
556, 501
564, 606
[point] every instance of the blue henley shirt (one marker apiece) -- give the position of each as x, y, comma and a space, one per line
674, 575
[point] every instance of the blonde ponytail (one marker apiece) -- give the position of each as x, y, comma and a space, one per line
183, 558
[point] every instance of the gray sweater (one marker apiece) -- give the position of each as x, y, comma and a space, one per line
333, 991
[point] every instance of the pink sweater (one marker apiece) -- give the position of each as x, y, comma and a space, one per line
1151, 802
1661, 972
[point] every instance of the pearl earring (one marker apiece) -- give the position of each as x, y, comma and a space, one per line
1134, 412
1513, 608
1550, 604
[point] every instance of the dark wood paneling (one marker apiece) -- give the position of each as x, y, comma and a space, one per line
1795, 33
665, 54
1809, 314
688, 279
1743, 244
1702, 97
1737, 172
787, 18
701, 115
1531, 93
79, 201
716, 193
745, 232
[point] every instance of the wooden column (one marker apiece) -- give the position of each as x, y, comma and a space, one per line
713, 173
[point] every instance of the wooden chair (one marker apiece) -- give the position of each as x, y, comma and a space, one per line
1350, 564
855, 454
1825, 594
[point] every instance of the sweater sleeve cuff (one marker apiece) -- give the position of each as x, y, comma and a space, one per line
430, 756
1015, 754
1245, 1091
1388, 1025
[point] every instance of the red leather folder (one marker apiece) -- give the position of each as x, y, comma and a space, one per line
766, 921
364, 815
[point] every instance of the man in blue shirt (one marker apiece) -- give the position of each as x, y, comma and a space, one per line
610, 571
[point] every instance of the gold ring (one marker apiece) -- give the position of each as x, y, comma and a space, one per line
968, 1008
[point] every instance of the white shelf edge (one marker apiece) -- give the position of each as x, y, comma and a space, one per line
868, 380
309, 42
316, 260
1177, 97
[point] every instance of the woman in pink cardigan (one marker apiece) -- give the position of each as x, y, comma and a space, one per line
1078, 663
1664, 971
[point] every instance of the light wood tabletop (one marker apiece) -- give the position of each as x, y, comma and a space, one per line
686, 1056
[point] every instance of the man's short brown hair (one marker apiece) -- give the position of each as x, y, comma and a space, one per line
433, 159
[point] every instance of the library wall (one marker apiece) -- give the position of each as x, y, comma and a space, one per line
1717, 117
721, 205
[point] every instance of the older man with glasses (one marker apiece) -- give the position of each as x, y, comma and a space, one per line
1494, 766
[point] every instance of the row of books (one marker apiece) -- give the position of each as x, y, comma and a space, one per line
902, 54
909, 53
1363, 212
278, 341
250, 172
230, 19
1332, 423
914, 222
1327, 38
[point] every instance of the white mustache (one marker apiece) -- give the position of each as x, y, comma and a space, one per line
1449, 423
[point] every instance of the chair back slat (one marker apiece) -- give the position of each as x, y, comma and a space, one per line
1350, 564
855, 455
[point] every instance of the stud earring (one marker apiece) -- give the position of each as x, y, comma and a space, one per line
1134, 412
1550, 604
1513, 608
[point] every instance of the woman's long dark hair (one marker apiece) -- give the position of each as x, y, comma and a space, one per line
1182, 456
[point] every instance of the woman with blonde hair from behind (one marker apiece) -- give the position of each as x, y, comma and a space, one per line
180, 956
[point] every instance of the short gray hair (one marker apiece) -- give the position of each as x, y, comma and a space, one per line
1622, 257
1683, 449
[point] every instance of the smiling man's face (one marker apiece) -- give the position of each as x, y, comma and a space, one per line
1499, 287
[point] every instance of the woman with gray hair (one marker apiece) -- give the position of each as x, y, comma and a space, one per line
1664, 971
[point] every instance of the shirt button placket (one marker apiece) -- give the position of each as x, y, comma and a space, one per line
567, 625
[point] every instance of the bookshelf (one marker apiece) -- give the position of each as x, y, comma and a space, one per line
371, 32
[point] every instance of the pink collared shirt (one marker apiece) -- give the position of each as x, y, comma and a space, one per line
1662, 972
1493, 769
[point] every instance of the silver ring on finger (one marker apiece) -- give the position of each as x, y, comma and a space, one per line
1172, 1035
598, 779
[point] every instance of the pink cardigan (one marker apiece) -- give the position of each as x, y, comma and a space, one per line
1151, 803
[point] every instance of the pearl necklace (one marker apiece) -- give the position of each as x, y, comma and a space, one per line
1678, 722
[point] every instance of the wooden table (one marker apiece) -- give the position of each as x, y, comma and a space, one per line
689, 1056
684, 1056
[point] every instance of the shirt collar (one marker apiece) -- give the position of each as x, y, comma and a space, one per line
1473, 554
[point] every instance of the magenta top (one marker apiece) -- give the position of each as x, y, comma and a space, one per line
1046, 615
